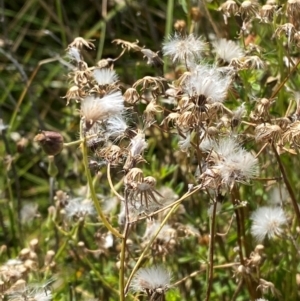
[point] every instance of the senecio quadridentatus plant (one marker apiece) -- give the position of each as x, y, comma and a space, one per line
197, 108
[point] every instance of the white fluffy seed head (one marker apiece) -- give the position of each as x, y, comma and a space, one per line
228, 50
183, 48
155, 278
105, 76
115, 127
79, 208
267, 221
209, 82
95, 109
233, 162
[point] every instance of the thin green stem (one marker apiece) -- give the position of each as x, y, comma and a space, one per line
287, 184
173, 209
210, 261
92, 189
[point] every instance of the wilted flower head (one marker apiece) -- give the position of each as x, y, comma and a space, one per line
267, 221
227, 50
105, 76
208, 83
229, 8
183, 48
95, 109
153, 280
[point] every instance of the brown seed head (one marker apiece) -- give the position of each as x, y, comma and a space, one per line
52, 143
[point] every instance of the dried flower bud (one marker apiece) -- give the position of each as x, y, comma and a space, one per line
49, 257
34, 243
131, 96
195, 14
52, 143
180, 26
21, 144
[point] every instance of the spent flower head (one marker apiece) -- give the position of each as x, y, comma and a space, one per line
267, 221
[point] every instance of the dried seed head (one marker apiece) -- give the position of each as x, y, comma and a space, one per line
150, 111
263, 106
248, 9
293, 9
134, 175
229, 8
267, 12
292, 134
266, 286
80, 43
268, 132
253, 62
288, 29
128, 45
152, 57
52, 143
131, 96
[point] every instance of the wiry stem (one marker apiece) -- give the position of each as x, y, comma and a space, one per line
211, 251
92, 189
287, 184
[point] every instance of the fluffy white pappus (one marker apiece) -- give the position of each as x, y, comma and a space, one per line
239, 166
116, 126
183, 48
267, 221
185, 143
155, 278
224, 147
79, 208
74, 54
228, 50
209, 82
105, 76
138, 144
234, 163
43, 295
95, 109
